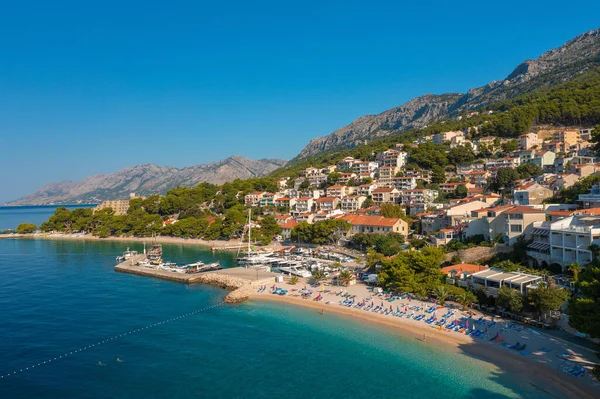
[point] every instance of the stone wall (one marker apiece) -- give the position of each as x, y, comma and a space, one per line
478, 254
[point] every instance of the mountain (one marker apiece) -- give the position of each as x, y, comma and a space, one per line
148, 179
553, 67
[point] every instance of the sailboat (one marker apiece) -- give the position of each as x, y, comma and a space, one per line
254, 260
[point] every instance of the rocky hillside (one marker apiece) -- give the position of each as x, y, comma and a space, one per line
552, 67
148, 179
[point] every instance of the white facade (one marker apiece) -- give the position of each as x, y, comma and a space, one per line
566, 240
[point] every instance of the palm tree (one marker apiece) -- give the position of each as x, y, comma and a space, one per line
574, 268
293, 280
441, 293
466, 298
318, 275
344, 277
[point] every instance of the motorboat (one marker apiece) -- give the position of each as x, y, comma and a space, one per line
296, 271
126, 255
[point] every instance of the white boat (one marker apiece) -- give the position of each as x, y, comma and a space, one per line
126, 255
296, 271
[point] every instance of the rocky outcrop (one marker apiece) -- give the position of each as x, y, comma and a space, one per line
148, 179
552, 67
477, 254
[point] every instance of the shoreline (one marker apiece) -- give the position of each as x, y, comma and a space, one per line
541, 374
216, 244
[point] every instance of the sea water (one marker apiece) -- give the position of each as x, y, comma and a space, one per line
12, 216
57, 296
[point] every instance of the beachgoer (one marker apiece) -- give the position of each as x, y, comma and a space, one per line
322, 311
424, 340
119, 360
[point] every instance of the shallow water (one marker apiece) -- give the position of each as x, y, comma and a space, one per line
59, 296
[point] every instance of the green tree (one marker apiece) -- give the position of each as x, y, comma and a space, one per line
527, 170
367, 203
461, 155
509, 146
547, 297
466, 298
26, 228
461, 191
510, 299
575, 269
438, 175
305, 184
333, 178
441, 293
505, 177
294, 280
318, 275
269, 226
345, 277
391, 211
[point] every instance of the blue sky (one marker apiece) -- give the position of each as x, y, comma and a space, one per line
92, 88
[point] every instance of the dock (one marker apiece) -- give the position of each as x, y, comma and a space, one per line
240, 280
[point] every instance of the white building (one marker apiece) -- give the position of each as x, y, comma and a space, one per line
566, 240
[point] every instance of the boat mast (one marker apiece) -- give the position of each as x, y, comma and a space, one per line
249, 228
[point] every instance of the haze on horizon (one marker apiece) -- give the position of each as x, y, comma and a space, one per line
88, 89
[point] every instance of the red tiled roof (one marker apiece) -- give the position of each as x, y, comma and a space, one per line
463, 267
289, 225
523, 209
326, 199
560, 213
370, 220
383, 190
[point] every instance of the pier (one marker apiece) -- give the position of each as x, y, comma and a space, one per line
239, 279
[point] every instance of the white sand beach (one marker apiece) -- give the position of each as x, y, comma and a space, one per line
542, 361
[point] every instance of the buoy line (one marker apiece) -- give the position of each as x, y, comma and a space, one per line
107, 340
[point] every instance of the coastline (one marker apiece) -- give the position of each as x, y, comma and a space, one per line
541, 373
213, 244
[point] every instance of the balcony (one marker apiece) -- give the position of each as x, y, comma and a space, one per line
539, 255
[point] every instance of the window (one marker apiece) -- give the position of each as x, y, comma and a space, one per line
516, 228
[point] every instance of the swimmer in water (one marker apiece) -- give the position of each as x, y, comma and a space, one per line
119, 360
101, 364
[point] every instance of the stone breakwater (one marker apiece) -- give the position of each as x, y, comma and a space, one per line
241, 288
240, 281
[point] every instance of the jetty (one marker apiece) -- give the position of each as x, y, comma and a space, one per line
240, 280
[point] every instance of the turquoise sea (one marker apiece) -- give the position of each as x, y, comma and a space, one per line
11, 216
59, 296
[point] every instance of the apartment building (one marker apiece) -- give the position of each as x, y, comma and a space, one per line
285, 202
391, 158
519, 222
569, 137
388, 172
327, 204
531, 194
375, 224
364, 167
352, 203
339, 191
253, 199
384, 195
404, 183
566, 240
304, 204
528, 140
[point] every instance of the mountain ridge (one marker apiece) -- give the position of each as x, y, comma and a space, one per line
552, 67
146, 179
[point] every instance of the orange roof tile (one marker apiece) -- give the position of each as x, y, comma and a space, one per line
464, 267
371, 220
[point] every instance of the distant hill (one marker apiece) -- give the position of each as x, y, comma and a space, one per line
553, 67
148, 179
